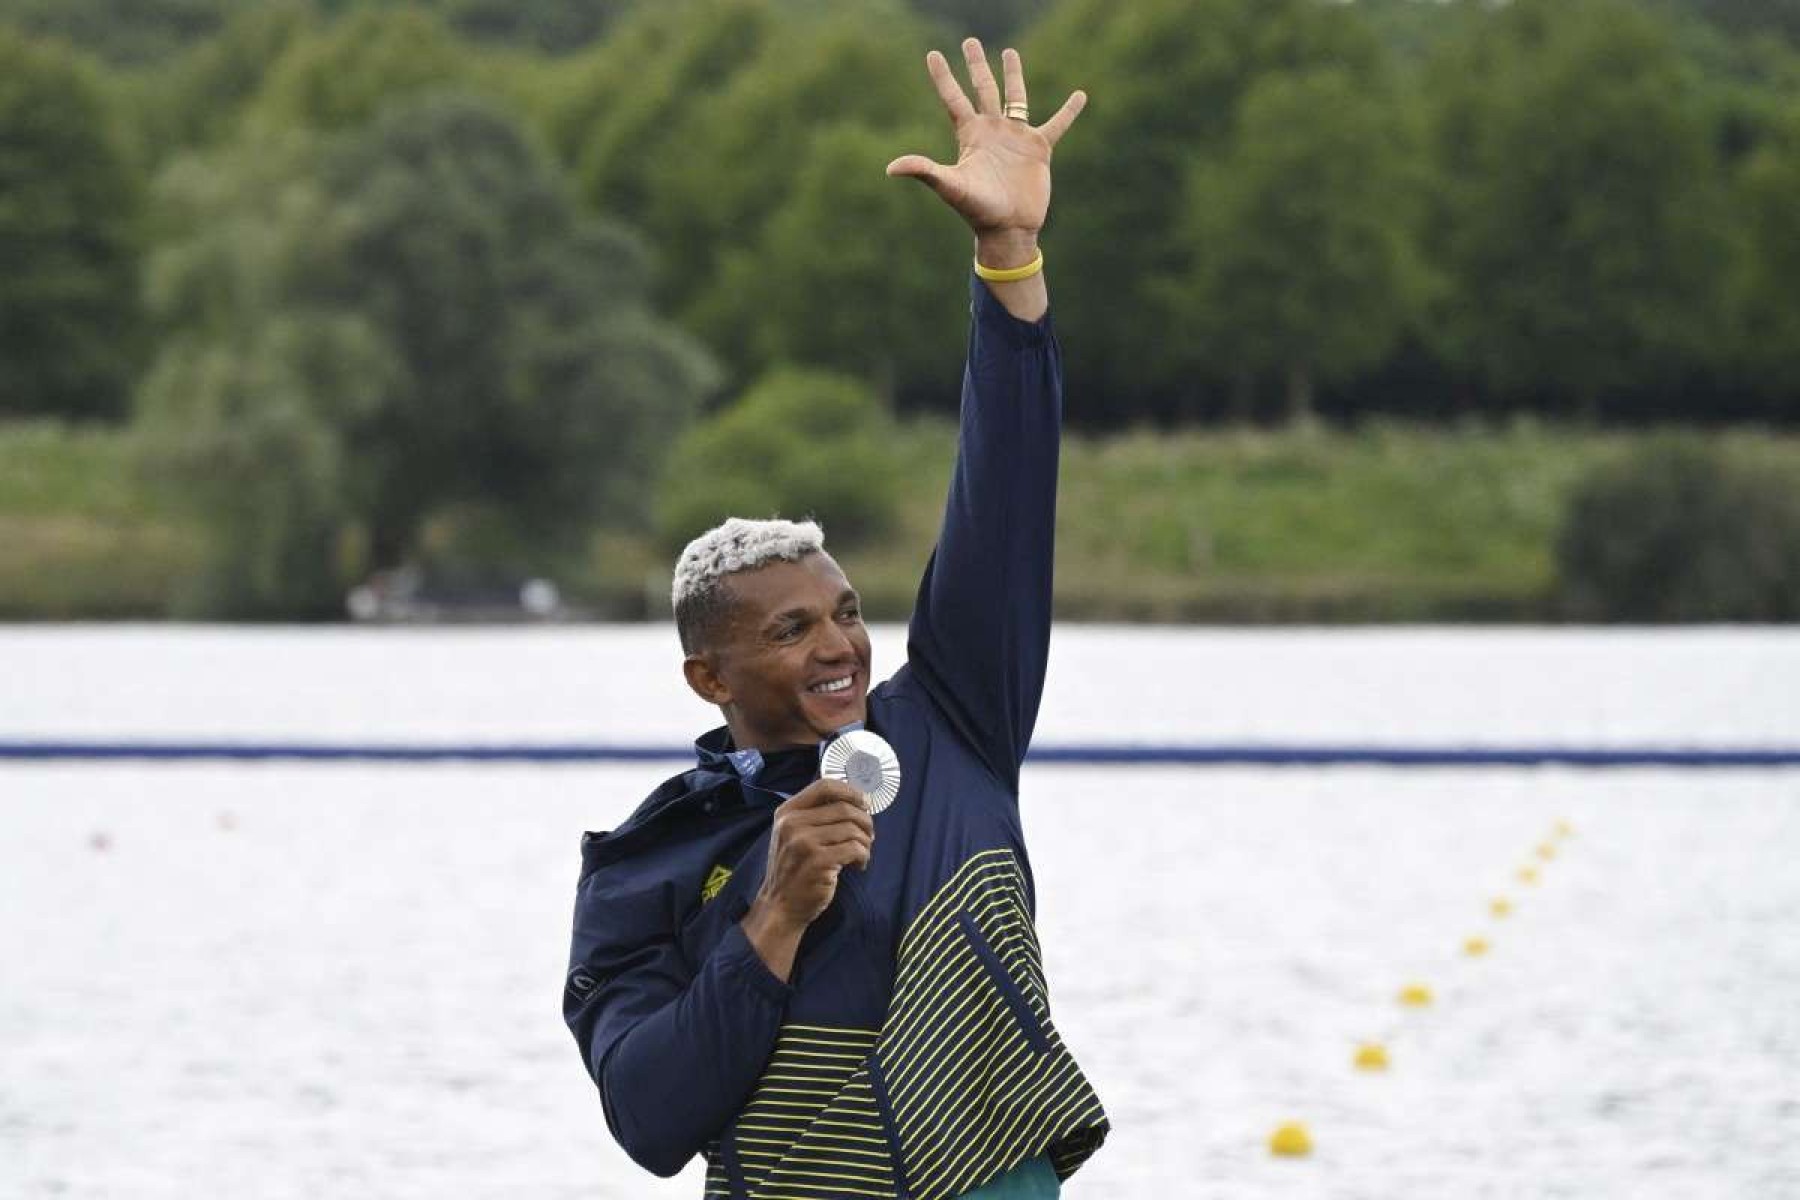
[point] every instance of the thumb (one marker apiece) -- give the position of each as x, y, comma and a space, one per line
917, 166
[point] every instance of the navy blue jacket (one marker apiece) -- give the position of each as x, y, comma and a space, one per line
911, 1053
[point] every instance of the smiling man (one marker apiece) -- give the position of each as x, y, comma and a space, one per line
824, 1003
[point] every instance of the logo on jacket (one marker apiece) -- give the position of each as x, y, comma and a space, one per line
715, 883
581, 984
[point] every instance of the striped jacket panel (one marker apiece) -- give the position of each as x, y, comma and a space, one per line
966, 1078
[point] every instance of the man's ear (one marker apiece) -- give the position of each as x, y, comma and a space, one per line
703, 677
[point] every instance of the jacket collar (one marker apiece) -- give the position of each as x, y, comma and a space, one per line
723, 775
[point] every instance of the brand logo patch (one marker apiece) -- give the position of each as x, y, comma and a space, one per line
581, 984
715, 883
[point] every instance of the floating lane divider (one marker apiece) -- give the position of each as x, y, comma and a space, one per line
1074, 754
1292, 1138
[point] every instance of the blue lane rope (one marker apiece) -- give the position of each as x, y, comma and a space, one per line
1095, 754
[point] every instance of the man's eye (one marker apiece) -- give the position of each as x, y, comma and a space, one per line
851, 614
787, 633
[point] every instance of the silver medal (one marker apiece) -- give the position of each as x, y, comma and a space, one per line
867, 763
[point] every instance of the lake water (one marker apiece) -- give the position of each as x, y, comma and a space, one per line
299, 981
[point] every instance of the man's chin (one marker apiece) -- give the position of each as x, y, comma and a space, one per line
827, 714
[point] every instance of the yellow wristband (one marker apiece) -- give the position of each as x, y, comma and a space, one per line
1010, 274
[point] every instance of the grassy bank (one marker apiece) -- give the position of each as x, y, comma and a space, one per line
1386, 523
81, 537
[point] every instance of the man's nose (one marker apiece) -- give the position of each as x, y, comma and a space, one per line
835, 644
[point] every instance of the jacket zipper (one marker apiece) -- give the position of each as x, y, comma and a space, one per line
1022, 1012
878, 1085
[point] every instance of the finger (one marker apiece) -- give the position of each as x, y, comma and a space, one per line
938, 178
1056, 126
987, 92
825, 860
846, 834
859, 817
827, 801
956, 103
845, 804
849, 854
853, 816
820, 793
917, 166
1014, 72
847, 821
850, 811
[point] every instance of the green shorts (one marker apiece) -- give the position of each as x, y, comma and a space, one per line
1033, 1179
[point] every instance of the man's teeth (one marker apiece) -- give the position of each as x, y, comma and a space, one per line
836, 685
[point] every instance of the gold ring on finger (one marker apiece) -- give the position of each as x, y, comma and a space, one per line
1016, 111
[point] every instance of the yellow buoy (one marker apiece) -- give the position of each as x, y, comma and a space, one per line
1371, 1056
1475, 947
1564, 829
1290, 1140
1528, 875
1546, 852
1501, 907
1415, 995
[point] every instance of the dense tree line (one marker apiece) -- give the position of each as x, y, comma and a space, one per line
360, 269
149, 31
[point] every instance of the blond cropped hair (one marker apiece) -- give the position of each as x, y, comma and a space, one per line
699, 595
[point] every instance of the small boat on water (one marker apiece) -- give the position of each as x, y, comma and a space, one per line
409, 596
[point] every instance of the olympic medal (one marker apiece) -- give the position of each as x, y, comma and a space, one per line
867, 763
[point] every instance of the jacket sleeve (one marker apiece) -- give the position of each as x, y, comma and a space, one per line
676, 1049
980, 633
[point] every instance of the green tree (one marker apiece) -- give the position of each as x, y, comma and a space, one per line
747, 461
615, 107
198, 98
142, 31
1768, 295
537, 373
734, 156
993, 21
1580, 203
1743, 17
340, 76
249, 433
557, 26
1413, 29
241, 417
857, 272
1167, 77
139, 32
1682, 532
499, 348
1304, 235
70, 206
703, 121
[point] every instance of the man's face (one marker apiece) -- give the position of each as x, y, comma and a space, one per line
792, 666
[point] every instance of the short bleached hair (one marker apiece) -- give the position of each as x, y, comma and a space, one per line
701, 599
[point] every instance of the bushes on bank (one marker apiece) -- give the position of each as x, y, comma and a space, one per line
798, 444
1682, 531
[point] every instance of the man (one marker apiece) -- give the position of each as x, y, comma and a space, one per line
755, 974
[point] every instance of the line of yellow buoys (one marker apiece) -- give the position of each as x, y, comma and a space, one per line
1292, 1139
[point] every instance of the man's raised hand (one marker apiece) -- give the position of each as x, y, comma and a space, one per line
1000, 183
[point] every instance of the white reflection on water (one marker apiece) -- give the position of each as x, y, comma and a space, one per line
353, 990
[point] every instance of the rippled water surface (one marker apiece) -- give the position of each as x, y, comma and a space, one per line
292, 981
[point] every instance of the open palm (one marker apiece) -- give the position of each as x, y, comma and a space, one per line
1001, 178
